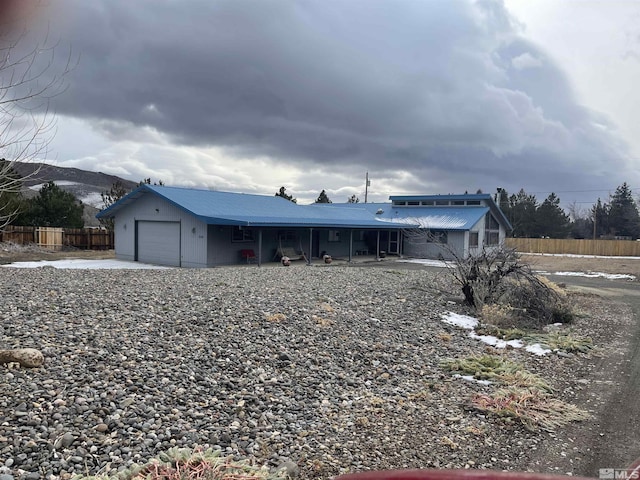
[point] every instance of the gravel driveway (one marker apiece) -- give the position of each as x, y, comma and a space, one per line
333, 368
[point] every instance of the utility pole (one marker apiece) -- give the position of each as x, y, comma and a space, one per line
367, 184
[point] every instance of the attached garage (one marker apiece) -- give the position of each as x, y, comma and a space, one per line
158, 242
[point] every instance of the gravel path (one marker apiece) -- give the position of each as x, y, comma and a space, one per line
335, 369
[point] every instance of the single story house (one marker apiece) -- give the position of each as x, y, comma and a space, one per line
202, 228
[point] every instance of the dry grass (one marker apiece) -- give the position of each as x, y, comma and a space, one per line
187, 464
277, 318
563, 341
501, 333
496, 314
531, 407
498, 370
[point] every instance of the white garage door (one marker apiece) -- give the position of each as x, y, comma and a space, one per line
159, 243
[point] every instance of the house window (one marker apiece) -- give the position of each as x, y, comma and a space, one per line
240, 234
457, 202
473, 202
491, 230
334, 235
437, 236
427, 203
473, 239
399, 203
442, 202
413, 203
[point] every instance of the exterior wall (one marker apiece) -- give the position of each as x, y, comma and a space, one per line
480, 228
193, 233
420, 248
340, 248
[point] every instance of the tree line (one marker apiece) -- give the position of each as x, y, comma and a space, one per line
617, 217
322, 198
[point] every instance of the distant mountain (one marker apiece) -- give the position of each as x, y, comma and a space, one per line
86, 186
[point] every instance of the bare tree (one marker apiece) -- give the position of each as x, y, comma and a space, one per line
28, 82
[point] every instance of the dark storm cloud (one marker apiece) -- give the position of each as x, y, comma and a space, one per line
440, 88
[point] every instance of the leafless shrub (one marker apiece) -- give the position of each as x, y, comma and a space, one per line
498, 278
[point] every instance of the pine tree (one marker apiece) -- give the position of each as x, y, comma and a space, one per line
353, 199
522, 214
624, 219
600, 216
551, 220
323, 198
53, 207
283, 193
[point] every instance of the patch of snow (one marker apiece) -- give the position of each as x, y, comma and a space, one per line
78, 263
457, 320
496, 342
471, 378
57, 182
427, 262
94, 199
470, 323
537, 349
608, 276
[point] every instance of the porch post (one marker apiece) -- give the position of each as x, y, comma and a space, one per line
310, 246
260, 247
378, 246
350, 244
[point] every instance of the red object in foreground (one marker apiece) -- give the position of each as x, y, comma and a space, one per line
451, 475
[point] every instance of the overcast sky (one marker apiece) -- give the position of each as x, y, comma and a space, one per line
427, 96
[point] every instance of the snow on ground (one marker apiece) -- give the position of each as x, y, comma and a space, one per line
462, 321
471, 378
608, 276
496, 342
79, 263
94, 199
427, 262
57, 182
470, 323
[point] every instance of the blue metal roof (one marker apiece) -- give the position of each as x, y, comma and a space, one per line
224, 208
435, 218
485, 197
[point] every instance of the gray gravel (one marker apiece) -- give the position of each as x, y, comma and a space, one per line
332, 368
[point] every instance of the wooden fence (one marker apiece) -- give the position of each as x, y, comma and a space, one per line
58, 238
49, 237
610, 248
